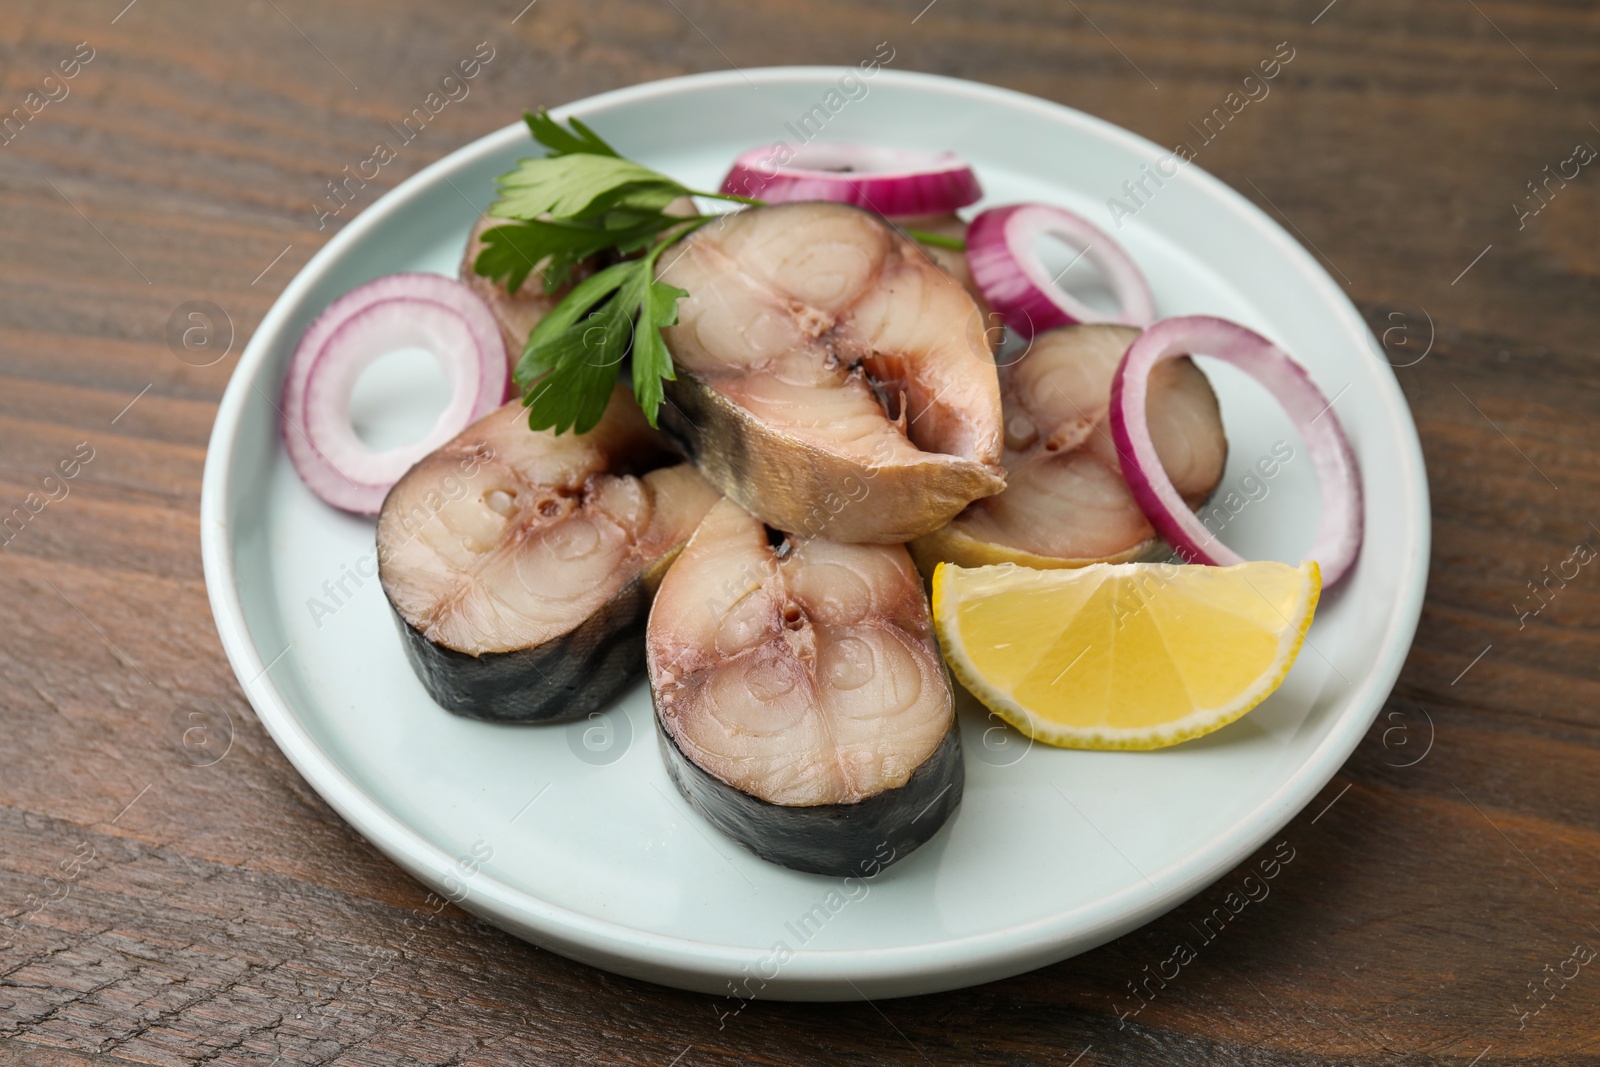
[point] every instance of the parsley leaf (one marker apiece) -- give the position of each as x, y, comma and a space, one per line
652, 363
570, 362
580, 200
582, 188
511, 251
580, 140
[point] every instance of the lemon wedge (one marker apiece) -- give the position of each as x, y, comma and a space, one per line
1123, 656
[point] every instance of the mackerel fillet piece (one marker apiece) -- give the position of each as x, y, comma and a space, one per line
801, 702
1065, 503
521, 564
831, 378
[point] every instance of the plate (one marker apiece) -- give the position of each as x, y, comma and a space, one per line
572, 836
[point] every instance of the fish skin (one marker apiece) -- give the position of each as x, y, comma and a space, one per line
565, 678
1065, 502
808, 680
802, 322
839, 840
521, 565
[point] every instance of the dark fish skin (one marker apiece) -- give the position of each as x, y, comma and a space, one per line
839, 840
579, 672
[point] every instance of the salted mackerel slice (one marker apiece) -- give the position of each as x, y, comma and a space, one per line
801, 702
521, 564
1065, 503
831, 378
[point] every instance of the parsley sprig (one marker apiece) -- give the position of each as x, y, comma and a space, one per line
579, 200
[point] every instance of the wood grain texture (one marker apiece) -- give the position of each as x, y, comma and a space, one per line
228, 916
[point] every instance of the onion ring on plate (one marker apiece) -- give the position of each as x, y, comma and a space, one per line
397, 311
889, 181
1338, 538
1005, 263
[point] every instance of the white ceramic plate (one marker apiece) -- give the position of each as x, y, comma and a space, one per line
574, 838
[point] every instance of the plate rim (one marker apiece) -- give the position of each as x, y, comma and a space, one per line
810, 973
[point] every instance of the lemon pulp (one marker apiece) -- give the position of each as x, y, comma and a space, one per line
1123, 656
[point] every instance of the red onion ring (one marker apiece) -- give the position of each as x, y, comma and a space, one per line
1004, 258
889, 181
1339, 478
389, 313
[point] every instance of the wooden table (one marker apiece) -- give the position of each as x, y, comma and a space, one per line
222, 913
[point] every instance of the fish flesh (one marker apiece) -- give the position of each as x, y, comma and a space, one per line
830, 377
952, 260
1065, 503
801, 701
521, 565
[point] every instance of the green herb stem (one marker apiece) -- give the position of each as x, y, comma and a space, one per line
937, 240
747, 201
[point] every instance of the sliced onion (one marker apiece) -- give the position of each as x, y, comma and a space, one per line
889, 181
389, 313
1003, 254
1339, 533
